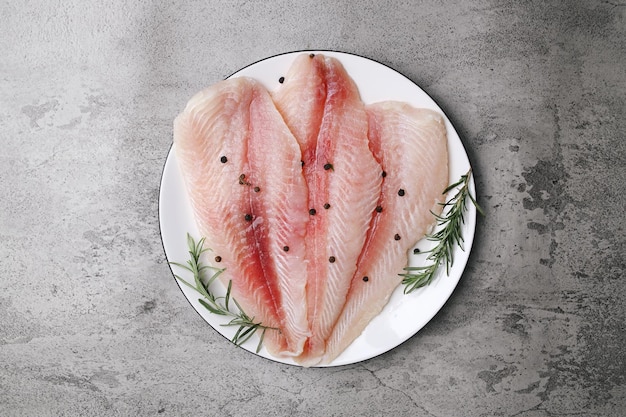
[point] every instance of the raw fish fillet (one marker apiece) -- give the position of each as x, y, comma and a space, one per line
243, 174
321, 105
411, 146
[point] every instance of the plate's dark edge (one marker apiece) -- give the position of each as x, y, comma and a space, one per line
178, 283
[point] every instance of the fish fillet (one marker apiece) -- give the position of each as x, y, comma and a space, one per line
242, 170
321, 105
411, 146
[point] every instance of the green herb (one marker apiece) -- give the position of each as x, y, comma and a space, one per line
448, 236
218, 305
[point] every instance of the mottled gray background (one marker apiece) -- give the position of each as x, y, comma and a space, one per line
91, 320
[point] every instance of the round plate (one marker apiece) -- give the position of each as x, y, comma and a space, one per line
404, 315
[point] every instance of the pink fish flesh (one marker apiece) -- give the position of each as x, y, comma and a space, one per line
321, 105
242, 170
411, 146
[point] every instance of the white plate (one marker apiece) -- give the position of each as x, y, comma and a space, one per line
404, 315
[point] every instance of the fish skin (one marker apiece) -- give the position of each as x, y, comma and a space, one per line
237, 119
411, 146
321, 105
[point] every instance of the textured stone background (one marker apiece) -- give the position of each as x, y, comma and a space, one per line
91, 320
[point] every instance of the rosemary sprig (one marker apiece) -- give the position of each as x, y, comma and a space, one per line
448, 236
218, 305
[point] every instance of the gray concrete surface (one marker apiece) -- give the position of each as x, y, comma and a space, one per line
91, 320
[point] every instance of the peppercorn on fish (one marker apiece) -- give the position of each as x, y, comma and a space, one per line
321, 105
242, 170
411, 146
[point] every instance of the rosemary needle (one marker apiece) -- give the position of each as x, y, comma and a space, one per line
447, 237
218, 305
